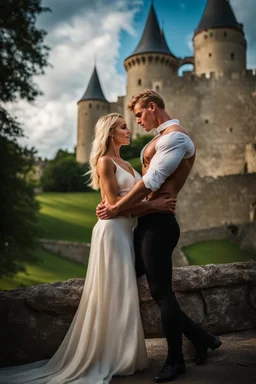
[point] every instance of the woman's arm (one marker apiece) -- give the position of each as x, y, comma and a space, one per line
108, 184
140, 209
152, 206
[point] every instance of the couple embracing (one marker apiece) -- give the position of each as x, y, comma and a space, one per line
106, 335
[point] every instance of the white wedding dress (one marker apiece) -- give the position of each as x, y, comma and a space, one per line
106, 336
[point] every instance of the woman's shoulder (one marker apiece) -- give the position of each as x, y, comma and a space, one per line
105, 162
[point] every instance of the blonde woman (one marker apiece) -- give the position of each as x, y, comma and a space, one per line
106, 336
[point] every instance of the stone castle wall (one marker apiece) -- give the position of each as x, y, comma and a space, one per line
89, 111
219, 49
208, 202
34, 320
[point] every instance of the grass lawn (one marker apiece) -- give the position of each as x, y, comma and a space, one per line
47, 269
216, 252
68, 216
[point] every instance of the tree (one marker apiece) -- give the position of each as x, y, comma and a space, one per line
22, 56
133, 150
65, 174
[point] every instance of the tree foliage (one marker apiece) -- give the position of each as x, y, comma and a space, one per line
64, 174
133, 150
22, 56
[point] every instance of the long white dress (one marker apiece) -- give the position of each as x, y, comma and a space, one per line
106, 335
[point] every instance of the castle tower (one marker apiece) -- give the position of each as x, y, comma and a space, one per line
219, 42
149, 65
91, 107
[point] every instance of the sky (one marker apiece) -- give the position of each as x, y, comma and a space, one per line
81, 33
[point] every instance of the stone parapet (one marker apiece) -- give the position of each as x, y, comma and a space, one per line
75, 251
34, 320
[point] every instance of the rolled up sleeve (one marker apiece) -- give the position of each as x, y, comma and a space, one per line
170, 150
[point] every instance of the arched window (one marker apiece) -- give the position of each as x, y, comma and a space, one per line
232, 56
139, 81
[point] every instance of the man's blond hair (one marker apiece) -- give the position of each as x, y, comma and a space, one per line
144, 98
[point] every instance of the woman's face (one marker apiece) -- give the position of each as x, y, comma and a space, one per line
121, 133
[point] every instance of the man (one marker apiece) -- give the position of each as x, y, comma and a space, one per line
166, 163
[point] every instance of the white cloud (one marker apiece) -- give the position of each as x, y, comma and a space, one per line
189, 41
94, 32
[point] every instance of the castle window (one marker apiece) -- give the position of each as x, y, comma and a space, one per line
133, 62
143, 60
206, 121
232, 56
90, 105
150, 59
225, 34
210, 55
157, 59
230, 129
139, 81
138, 60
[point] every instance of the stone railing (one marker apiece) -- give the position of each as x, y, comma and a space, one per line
78, 252
34, 320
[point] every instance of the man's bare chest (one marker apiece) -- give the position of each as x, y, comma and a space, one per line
149, 151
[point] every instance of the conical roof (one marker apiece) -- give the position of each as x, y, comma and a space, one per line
152, 39
218, 13
94, 90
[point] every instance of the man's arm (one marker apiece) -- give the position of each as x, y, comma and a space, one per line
170, 150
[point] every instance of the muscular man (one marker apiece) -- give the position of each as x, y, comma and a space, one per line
166, 163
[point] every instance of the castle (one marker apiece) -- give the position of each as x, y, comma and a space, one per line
216, 103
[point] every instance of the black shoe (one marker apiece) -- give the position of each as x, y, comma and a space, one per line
201, 352
169, 372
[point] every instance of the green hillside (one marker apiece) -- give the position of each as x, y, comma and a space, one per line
68, 216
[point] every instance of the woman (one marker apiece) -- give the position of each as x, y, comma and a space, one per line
106, 335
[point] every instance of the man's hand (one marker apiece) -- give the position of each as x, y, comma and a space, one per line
162, 204
105, 211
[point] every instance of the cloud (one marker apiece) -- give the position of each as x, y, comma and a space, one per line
77, 35
189, 41
245, 15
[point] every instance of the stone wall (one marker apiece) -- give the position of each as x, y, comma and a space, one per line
215, 202
248, 237
193, 237
34, 320
78, 252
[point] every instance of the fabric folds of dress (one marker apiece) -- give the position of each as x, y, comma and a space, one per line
106, 336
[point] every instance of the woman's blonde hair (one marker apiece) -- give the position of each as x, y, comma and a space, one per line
103, 128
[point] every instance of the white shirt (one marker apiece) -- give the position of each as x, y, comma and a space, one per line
170, 150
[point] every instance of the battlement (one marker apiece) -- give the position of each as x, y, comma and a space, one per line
249, 74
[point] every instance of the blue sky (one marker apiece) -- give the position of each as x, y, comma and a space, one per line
178, 18
79, 31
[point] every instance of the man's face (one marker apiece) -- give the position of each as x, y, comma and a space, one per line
145, 116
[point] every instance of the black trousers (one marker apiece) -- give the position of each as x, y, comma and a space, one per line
155, 237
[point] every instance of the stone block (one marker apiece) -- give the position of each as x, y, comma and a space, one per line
228, 309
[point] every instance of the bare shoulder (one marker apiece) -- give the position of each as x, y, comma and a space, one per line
105, 163
176, 128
